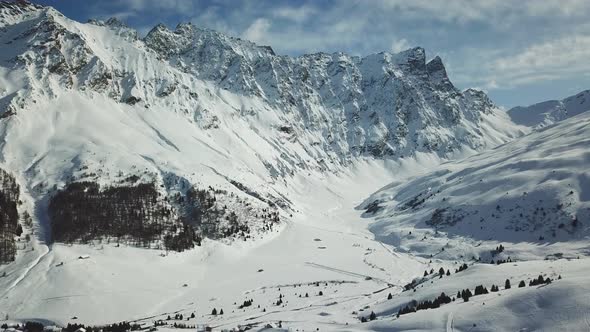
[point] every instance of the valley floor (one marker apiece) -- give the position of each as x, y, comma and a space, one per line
326, 248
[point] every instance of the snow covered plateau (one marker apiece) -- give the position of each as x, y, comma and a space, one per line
197, 174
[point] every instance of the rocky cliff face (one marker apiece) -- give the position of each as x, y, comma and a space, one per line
380, 105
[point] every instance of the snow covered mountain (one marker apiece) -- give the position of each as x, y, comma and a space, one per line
193, 107
518, 211
192, 173
379, 105
548, 112
530, 192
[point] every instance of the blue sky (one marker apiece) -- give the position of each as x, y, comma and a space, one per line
520, 52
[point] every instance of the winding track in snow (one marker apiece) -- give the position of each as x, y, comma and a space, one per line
353, 274
25, 273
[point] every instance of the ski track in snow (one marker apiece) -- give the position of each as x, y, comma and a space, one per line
450, 322
349, 273
26, 272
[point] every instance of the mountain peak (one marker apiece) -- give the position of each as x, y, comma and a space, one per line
184, 27
435, 66
19, 5
11, 11
546, 113
115, 22
437, 73
378, 105
415, 57
160, 27
118, 26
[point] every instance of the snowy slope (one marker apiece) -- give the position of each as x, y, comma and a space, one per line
531, 193
325, 247
92, 102
531, 197
561, 305
309, 137
548, 112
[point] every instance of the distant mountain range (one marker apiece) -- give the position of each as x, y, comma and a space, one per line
548, 112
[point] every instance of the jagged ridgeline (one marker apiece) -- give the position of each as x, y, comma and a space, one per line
142, 216
9, 225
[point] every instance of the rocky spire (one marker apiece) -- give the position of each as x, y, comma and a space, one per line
438, 74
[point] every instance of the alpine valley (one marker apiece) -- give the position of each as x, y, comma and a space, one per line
193, 180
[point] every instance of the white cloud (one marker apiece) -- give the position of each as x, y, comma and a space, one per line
560, 58
258, 31
560, 53
564, 8
173, 5
497, 11
299, 14
399, 45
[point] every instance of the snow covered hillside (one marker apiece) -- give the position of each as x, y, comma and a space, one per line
506, 221
548, 112
532, 193
193, 109
560, 304
191, 179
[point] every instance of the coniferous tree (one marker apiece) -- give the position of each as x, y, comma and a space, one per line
466, 294
372, 316
480, 290
19, 230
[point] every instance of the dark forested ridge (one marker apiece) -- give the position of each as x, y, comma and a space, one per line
83, 212
140, 215
9, 225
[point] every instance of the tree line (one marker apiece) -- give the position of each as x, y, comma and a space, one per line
9, 217
139, 215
